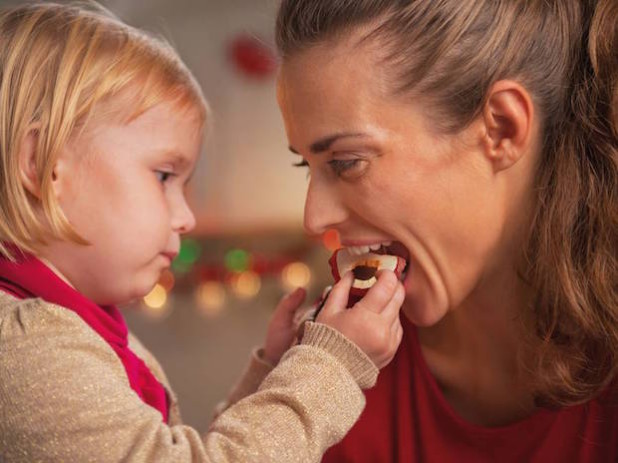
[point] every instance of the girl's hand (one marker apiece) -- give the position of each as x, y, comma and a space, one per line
373, 322
281, 328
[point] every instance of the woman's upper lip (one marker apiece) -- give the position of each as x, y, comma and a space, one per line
348, 243
170, 254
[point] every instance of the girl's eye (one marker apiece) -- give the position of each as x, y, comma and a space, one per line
163, 176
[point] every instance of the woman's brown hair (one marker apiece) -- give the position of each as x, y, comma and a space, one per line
565, 53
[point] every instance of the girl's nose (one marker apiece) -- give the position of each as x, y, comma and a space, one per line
183, 220
324, 208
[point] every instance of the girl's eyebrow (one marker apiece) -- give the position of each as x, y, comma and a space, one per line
176, 156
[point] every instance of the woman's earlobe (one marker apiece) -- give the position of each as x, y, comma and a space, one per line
508, 115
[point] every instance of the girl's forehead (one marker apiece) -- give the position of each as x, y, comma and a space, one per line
162, 132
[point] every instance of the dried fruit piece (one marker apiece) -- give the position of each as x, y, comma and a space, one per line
364, 268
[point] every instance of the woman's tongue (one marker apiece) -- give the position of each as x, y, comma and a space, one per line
397, 248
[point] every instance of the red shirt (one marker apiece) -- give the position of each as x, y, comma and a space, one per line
407, 419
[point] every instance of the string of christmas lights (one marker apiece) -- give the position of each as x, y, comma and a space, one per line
240, 274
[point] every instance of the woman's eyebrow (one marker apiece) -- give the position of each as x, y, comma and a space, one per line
325, 143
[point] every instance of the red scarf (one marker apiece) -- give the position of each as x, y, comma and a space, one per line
30, 278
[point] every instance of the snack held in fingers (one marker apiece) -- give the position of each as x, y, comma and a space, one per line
365, 262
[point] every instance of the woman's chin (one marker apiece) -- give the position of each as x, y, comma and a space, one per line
420, 314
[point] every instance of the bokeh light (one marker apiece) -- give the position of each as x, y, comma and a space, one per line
237, 260
210, 298
246, 285
331, 240
155, 302
294, 275
190, 251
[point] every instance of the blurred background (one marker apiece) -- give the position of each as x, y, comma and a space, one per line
249, 247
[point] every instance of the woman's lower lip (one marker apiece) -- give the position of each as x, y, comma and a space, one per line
407, 280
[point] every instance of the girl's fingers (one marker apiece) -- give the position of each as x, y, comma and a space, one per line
338, 298
397, 331
291, 302
379, 295
394, 305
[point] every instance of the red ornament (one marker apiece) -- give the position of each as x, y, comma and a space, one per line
252, 57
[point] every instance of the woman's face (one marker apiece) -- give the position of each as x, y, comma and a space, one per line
380, 171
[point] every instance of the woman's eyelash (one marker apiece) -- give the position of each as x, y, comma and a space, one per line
340, 166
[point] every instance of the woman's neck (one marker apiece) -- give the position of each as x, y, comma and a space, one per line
475, 353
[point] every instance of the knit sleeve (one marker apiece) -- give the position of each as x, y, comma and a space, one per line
64, 396
252, 376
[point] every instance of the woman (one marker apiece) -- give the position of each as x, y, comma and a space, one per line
482, 136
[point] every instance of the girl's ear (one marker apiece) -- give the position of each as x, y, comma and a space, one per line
508, 117
27, 162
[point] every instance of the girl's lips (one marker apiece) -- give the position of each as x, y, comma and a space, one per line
169, 255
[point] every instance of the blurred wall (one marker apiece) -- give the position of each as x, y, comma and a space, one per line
244, 181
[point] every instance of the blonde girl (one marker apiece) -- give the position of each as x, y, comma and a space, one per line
100, 129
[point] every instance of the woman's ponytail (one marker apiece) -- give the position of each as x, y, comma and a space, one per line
603, 53
575, 241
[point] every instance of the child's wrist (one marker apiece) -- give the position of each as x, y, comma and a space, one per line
356, 361
269, 357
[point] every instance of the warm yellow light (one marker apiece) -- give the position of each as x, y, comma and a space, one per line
157, 298
156, 302
210, 298
294, 275
246, 285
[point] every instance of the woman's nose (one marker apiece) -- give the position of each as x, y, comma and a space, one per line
324, 208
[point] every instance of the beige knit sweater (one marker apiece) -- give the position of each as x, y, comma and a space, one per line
65, 397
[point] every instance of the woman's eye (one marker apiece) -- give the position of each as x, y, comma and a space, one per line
163, 176
340, 166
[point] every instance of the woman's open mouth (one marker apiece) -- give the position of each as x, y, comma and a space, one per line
366, 261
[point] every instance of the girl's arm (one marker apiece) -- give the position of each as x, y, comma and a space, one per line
64, 396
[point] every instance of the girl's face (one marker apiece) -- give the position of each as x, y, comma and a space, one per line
122, 187
379, 172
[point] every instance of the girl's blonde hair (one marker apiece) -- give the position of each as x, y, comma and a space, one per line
565, 52
58, 63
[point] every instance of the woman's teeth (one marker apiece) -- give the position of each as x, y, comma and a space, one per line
359, 250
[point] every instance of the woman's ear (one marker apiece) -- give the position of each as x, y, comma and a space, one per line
27, 162
508, 117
